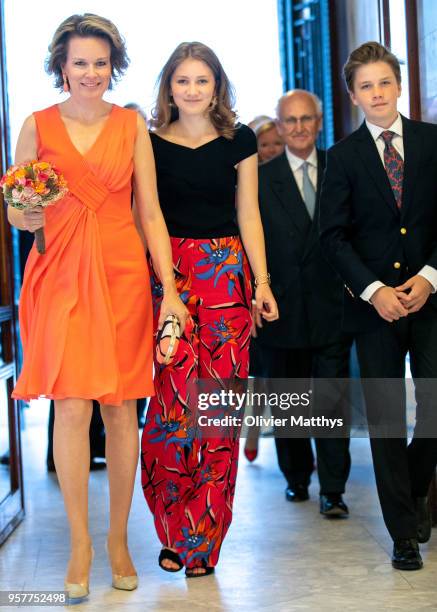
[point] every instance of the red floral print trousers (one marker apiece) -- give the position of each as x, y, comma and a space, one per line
189, 480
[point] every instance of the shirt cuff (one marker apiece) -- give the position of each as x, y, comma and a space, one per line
370, 289
430, 274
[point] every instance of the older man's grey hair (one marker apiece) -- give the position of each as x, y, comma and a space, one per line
292, 92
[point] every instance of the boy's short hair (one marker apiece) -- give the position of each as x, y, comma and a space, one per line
368, 53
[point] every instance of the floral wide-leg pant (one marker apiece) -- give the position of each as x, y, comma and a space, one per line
189, 481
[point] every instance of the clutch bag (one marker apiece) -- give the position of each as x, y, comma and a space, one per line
167, 340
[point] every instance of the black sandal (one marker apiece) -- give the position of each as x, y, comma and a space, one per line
191, 573
170, 555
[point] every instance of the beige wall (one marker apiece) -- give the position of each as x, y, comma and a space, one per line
362, 22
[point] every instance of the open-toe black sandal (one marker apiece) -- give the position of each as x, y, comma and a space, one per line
170, 555
190, 572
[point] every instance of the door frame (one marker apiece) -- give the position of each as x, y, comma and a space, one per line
12, 506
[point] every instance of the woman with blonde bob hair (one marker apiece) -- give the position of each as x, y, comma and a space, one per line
85, 305
207, 184
270, 143
85, 26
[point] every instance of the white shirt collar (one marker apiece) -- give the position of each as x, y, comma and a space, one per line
376, 130
296, 162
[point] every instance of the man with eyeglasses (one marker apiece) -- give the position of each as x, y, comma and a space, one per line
306, 342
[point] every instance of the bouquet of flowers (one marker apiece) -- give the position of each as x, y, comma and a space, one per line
34, 183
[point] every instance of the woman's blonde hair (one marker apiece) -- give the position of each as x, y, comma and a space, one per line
221, 114
87, 25
264, 126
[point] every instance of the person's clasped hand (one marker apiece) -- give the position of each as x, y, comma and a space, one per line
392, 303
414, 293
388, 304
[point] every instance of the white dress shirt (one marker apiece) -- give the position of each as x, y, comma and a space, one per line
296, 164
427, 272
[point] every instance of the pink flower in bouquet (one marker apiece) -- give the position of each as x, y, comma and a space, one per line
26, 195
43, 177
18, 195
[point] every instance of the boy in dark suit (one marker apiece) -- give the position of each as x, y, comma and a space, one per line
378, 226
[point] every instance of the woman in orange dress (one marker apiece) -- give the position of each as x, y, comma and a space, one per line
85, 307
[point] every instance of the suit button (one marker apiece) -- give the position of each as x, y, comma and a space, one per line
396, 265
403, 231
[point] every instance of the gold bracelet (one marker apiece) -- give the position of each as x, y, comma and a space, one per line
262, 279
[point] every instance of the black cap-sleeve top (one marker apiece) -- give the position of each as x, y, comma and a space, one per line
196, 187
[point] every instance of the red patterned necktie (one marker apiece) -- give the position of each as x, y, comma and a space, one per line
394, 166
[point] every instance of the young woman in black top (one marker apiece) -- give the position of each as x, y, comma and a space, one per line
207, 183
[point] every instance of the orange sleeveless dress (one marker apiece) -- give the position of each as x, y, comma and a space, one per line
85, 307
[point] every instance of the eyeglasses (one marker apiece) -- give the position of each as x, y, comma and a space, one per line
304, 120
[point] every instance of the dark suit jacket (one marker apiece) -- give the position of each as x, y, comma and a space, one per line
307, 289
363, 234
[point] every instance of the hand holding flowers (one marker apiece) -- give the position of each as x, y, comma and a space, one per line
31, 187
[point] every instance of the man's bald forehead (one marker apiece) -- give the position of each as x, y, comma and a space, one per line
296, 96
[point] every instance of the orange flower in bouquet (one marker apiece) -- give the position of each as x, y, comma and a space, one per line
34, 183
